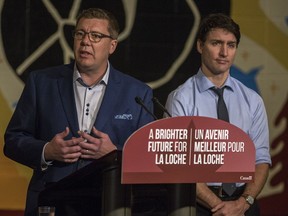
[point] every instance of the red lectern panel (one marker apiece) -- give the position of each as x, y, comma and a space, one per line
188, 149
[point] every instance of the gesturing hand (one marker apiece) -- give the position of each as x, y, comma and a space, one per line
94, 147
59, 149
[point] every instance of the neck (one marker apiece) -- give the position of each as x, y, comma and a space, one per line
91, 77
217, 79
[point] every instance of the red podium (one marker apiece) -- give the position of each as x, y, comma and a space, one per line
186, 150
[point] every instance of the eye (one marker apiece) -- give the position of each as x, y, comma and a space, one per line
232, 45
215, 43
95, 36
79, 34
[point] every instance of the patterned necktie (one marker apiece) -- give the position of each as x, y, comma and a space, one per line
222, 114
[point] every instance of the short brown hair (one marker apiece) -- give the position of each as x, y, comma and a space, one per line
113, 26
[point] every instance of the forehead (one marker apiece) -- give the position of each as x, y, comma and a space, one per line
221, 34
93, 24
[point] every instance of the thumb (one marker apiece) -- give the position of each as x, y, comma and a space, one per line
64, 133
98, 133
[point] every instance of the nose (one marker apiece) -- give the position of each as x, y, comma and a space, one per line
224, 50
85, 40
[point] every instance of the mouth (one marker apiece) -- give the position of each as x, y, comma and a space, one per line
84, 53
222, 61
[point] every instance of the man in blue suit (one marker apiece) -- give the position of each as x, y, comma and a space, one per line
71, 114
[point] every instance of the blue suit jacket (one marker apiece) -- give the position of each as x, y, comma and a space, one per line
47, 106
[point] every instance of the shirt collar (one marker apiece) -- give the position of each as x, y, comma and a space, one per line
205, 84
104, 80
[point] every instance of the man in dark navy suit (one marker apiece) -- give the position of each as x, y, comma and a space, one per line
71, 114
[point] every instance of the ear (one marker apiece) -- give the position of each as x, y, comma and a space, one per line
113, 46
199, 46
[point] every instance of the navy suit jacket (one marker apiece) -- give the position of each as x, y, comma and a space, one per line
47, 106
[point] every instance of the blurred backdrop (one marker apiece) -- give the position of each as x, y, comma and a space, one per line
157, 46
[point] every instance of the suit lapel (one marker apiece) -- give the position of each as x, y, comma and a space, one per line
109, 102
66, 91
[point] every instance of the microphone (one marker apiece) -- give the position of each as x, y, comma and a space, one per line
157, 102
141, 103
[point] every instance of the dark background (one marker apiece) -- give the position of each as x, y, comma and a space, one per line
158, 36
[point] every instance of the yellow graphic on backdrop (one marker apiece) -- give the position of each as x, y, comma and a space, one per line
264, 43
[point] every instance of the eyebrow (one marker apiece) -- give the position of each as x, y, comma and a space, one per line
221, 41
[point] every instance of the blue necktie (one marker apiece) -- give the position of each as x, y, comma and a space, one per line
222, 114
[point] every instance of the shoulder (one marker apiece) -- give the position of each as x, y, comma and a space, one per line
54, 71
188, 86
248, 94
125, 79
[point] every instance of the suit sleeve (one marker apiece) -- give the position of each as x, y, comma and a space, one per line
20, 142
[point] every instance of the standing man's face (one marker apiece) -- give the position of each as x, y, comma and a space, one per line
217, 52
92, 56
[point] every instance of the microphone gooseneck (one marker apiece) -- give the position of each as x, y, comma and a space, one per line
157, 102
141, 103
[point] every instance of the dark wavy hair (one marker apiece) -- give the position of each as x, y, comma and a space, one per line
218, 20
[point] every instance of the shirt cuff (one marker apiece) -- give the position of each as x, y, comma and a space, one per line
44, 163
